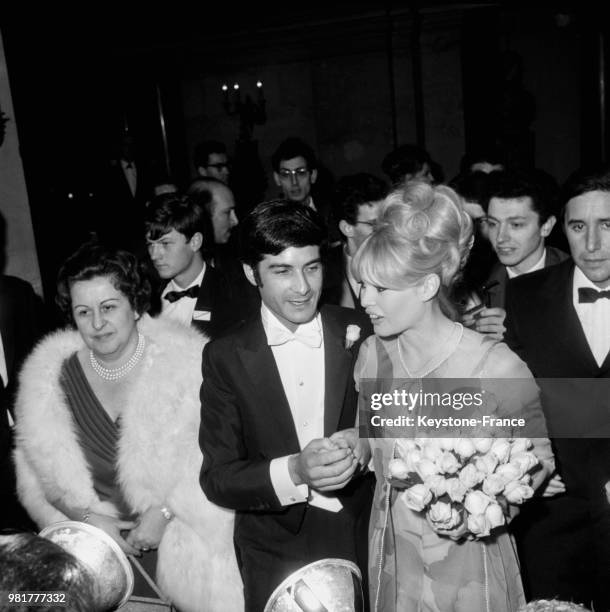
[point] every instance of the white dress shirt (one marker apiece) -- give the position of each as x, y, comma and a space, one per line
301, 369
594, 318
183, 310
539, 265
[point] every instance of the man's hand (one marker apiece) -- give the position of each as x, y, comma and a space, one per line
554, 486
322, 465
360, 446
487, 321
147, 535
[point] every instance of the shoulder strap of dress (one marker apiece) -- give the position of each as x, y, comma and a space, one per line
487, 344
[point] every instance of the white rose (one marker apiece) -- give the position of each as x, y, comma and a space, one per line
397, 468
446, 444
517, 492
470, 477
520, 445
455, 489
493, 485
426, 468
464, 447
476, 502
432, 450
437, 484
508, 472
478, 525
447, 463
443, 516
486, 464
404, 446
525, 461
482, 445
412, 459
501, 449
494, 515
417, 497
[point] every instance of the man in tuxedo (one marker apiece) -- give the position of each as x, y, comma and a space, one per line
198, 291
520, 216
558, 321
21, 325
357, 201
278, 411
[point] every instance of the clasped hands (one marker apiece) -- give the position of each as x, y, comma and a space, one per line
144, 534
328, 464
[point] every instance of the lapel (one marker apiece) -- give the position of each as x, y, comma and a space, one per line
561, 319
337, 370
271, 405
208, 289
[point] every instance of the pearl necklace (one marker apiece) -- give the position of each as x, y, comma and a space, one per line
116, 373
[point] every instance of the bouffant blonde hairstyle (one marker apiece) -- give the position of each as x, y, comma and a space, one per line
421, 230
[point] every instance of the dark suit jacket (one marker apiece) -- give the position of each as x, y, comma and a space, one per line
497, 294
226, 294
566, 532
22, 322
247, 422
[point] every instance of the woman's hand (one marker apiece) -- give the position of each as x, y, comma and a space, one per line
113, 527
554, 486
149, 531
348, 438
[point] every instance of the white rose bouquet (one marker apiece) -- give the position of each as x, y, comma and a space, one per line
463, 482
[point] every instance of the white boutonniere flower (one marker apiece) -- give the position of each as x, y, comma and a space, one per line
352, 333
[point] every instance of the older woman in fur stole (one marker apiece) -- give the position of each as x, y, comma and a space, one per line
107, 425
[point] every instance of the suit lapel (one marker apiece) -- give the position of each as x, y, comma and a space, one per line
259, 363
337, 362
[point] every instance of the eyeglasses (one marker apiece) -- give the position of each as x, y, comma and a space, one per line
298, 172
220, 166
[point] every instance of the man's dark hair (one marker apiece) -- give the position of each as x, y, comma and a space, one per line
277, 225
489, 153
584, 181
289, 149
201, 155
29, 562
353, 191
406, 159
535, 184
172, 211
473, 186
92, 260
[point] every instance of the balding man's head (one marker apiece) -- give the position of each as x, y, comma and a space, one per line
217, 200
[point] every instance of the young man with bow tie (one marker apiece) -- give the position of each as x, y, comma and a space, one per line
278, 408
558, 321
198, 292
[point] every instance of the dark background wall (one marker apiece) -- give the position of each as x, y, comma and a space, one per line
353, 78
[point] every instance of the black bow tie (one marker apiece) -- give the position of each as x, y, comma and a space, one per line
192, 292
588, 295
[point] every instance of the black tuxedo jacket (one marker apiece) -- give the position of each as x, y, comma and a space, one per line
497, 293
226, 294
246, 419
564, 541
22, 322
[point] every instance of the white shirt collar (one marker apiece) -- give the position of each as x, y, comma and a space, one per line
539, 265
174, 286
270, 321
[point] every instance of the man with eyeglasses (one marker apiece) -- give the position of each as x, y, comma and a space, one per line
357, 201
211, 160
